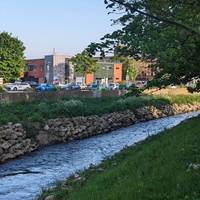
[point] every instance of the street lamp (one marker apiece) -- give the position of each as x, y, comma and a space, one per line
107, 69
48, 71
127, 77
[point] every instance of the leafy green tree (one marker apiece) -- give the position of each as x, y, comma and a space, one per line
164, 31
84, 63
12, 62
130, 68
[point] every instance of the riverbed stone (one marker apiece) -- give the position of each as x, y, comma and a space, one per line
51, 197
1, 151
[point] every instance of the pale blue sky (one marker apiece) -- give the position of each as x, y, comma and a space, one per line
66, 25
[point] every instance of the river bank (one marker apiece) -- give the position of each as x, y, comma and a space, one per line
19, 139
27, 176
165, 166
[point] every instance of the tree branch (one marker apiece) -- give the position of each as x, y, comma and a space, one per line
158, 18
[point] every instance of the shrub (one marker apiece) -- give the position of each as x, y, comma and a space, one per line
1, 89
44, 109
134, 91
122, 85
195, 88
68, 108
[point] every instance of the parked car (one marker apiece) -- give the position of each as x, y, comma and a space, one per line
17, 86
33, 84
172, 86
93, 86
140, 84
45, 87
72, 86
114, 86
103, 87
83, 86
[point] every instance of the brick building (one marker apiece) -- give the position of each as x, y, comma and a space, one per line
56, 68
35, 70
53, 68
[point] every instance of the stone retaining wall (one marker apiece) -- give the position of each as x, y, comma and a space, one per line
15, 141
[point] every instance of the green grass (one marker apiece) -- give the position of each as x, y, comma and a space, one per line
40, 111
156, 169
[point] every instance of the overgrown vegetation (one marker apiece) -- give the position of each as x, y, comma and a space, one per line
1, 89
196, 88
40, 111
163, 167
134, 91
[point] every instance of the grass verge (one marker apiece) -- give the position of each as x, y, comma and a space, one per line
164, 167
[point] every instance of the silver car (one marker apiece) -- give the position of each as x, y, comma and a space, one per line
17, 86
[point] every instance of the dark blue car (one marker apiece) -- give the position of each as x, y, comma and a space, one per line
45, 87
72, 86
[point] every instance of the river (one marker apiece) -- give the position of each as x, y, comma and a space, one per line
25, 177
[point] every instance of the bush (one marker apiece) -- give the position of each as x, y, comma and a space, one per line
134, 91
1, 89
191, 89
122, 85
196, 88
104, 89
69, 108
44, 109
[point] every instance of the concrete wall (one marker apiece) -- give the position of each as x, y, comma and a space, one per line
49, 69
59, 68
55, 68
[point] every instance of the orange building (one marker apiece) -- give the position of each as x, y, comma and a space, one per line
106, 73
89, 78
117, 75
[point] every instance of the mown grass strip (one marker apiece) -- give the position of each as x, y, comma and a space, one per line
164, 167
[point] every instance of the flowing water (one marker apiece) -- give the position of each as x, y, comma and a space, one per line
25, 177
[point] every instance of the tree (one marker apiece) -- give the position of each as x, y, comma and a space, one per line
12, 62
136, 8
130, 67
84, 63
164, 31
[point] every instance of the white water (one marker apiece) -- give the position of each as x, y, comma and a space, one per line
24, 178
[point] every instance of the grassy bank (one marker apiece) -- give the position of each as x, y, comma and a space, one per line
160, 168
40, 111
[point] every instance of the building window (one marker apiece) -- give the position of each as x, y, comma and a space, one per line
117, 68
30, 67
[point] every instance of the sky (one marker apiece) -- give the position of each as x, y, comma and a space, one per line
66, 25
